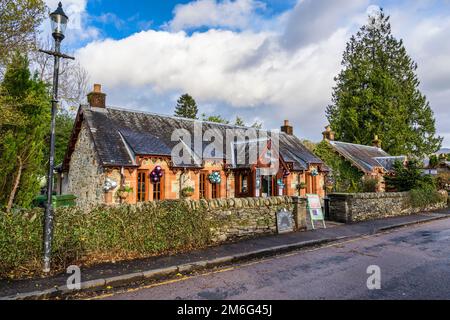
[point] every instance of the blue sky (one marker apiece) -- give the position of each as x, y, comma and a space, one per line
138, 15
263, 60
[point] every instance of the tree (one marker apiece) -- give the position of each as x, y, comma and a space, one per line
377, 93
311, 146
408, 177
22, 134
216, 119
434, 162
64, 127
19, 24
73, 78
344, 176
239, 122
186, 107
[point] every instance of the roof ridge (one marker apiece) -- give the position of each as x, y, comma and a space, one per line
356, 144
179, 118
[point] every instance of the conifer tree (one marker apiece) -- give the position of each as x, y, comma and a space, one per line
186, 107
22, 134
377, 93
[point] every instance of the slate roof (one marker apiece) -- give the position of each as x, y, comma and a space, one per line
388, 162
366, 158
119, 135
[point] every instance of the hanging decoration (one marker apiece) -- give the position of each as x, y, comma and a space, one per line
286, 173
215, 178
314, 173
156, 174
280, 183
109, 185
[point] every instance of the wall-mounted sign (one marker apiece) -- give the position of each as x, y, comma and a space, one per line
285, 221
315, 209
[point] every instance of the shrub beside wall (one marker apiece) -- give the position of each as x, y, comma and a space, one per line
105, 234
427, 197
131, 231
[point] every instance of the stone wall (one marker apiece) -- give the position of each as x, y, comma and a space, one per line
85, 178
349, 208
247, 217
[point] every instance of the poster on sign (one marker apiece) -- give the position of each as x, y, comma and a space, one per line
315, 209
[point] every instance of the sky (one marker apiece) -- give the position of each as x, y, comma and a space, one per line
262, 60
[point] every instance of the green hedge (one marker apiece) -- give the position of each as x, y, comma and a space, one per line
104, 234
425, 197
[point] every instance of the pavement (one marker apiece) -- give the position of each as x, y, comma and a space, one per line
412, 264
122, 274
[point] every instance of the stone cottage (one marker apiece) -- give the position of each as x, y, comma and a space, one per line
372, 161
122, 156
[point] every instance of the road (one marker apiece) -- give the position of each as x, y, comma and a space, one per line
414, 264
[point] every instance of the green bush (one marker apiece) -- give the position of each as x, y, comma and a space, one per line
369, 185
104, 234
409, 177
345, 177
425, 197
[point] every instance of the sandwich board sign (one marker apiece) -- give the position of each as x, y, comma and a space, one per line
285, 221
315, 209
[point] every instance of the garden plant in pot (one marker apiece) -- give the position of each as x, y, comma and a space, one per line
301, 186
124, 192
187, 192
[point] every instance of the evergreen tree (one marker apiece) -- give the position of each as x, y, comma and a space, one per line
63, 132
22, 134
377, 93
216, 119
239, 122
186, 107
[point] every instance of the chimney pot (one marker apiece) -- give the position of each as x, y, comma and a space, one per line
96, 98
328, 134
287, 128
376, 142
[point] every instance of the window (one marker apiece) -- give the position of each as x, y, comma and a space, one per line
142, 186
244, 184
314, 185
202, 185
158, 189
215, 191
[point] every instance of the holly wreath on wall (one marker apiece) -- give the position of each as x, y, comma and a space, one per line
215, 178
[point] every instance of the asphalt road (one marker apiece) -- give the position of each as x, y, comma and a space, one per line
414, 264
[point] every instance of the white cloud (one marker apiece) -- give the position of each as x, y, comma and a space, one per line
313, 20
283, 73
236, 14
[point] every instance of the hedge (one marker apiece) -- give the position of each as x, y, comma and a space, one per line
426, 197
104, 234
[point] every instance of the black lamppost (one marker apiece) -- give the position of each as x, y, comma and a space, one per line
59, 22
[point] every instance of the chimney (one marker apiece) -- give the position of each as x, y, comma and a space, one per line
287, 128
328, 134
376, 142
96, 98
